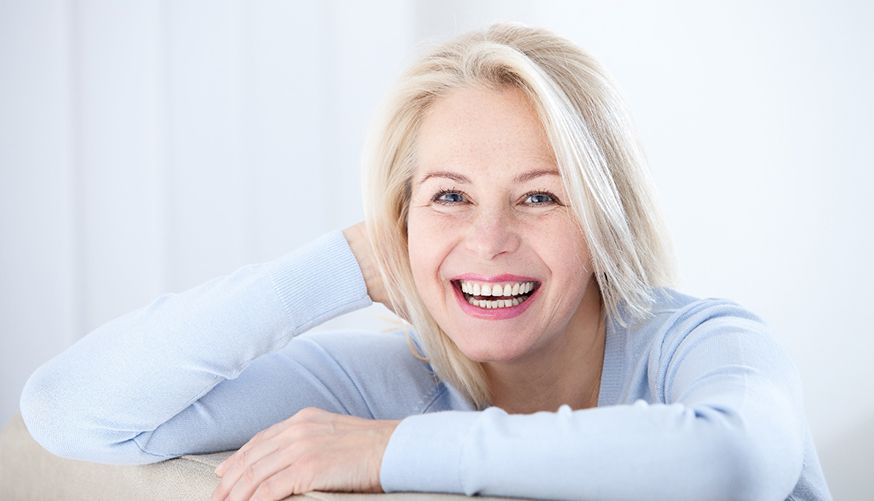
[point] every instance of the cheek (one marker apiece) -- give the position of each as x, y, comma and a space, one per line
425, 250
562, 248
556, 239
573, 253
573, 245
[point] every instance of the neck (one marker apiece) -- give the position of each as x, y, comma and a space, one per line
566, 371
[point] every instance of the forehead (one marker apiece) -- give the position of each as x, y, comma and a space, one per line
482, 132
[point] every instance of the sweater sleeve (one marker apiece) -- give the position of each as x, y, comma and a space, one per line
168, 379
725, 423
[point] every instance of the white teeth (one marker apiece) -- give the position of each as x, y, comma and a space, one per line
507, 290
499, 303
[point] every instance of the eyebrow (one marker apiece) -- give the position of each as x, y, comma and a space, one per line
521, 178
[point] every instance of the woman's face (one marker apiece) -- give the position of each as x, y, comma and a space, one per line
488, 210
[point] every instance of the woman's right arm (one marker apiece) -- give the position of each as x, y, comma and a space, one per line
132, 391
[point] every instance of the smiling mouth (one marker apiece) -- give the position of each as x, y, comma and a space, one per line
499, 298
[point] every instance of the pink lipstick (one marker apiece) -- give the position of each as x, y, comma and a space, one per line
506, 277
494, 313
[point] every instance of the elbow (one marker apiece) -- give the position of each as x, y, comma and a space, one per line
41, 414
64, 427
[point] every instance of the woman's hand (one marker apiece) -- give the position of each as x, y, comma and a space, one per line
312, 450
356, 235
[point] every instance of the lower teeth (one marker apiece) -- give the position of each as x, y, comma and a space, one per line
500, 303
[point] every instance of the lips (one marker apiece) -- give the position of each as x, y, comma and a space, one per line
502, 313
506, 277
492, 296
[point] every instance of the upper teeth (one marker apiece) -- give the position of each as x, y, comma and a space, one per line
507, 289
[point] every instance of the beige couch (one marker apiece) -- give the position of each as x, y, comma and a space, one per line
29, 472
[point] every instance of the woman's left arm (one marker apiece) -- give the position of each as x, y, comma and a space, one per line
730, 426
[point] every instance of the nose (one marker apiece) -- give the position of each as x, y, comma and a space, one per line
492, 233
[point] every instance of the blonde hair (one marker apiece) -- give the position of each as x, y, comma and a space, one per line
596, 152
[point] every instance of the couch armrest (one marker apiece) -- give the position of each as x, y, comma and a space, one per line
29, 472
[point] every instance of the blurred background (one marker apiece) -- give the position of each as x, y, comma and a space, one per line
146, 147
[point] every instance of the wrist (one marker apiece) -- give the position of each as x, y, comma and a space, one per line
387, 427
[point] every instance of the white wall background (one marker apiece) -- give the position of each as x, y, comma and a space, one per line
148, 146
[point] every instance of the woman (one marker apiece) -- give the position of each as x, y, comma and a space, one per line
509, 221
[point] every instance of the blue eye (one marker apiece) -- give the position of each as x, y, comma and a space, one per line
540, 198
453, 197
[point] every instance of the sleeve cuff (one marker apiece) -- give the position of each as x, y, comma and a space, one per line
424, 453
319, 281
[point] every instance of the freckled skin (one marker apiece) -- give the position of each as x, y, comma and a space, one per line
491, 137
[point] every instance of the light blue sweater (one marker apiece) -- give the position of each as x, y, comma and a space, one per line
697, 403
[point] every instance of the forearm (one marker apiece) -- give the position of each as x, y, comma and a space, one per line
638, 451
137, 371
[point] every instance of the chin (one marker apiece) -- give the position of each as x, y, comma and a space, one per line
483, 350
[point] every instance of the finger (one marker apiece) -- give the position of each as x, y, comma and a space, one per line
310, 413
255, 440
287, 482
235, 469
256, 474
259, 438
